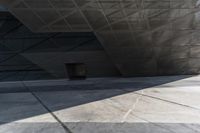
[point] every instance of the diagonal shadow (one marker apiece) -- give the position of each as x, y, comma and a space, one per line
17, 103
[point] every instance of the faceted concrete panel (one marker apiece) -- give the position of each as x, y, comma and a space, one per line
97, 62
162, 31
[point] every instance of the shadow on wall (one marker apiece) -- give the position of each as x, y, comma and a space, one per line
17, 106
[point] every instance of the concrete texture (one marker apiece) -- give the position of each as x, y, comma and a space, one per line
22, 113
25, 55
97, 62
142, 37
104, 105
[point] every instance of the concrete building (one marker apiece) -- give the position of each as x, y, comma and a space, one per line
138, 37
32, 56
44, 43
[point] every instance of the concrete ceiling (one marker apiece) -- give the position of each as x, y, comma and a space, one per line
95, 15
140, 36
17, 41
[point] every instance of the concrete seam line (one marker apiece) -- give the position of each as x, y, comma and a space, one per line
168, 101
67, 130
133, 107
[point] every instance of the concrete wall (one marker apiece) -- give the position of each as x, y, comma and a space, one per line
25, 55
171, 46
141, 37
97, 62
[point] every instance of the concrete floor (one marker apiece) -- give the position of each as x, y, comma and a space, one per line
113, 105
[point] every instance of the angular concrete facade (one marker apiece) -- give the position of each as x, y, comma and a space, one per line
142, 37
25, 55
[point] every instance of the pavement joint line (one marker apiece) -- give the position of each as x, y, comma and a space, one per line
196, 131
67, 130
131, 113
132, 108
168, 101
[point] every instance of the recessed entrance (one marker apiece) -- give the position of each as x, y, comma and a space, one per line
76, 71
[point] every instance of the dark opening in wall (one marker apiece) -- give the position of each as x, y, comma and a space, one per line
76, 71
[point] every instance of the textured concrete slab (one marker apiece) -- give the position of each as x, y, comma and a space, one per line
185, 92
115, 105
106, 115
22, 113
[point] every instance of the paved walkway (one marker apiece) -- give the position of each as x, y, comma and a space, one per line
104, 105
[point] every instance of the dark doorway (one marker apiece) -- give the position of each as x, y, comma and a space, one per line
76, 71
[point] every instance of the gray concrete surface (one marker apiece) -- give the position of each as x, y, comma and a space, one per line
168, 104
141, 37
